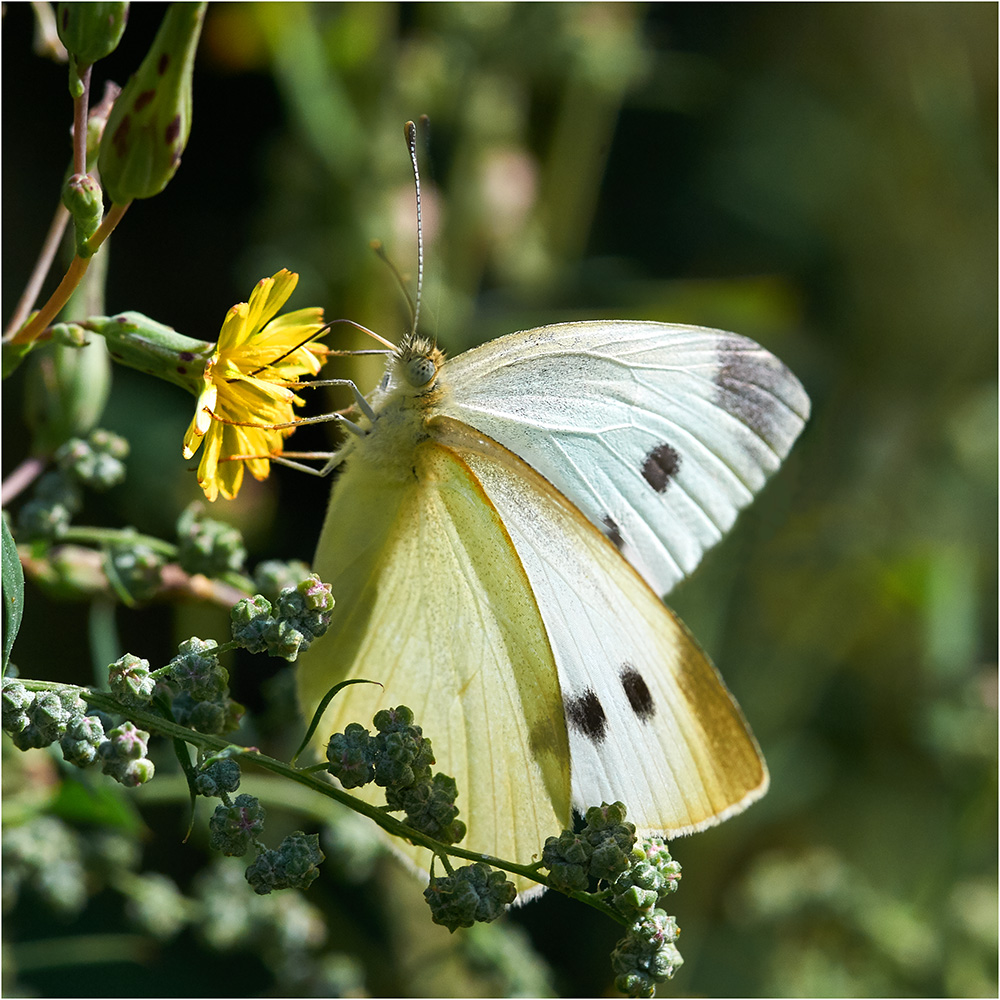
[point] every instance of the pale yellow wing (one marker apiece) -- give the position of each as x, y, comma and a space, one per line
649, 719
432, 601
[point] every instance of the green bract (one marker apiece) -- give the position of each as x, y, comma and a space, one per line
153, 348
149, 125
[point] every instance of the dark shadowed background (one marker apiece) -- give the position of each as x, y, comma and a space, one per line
819, 177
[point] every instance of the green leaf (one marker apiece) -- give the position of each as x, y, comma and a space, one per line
13, 592
321, 708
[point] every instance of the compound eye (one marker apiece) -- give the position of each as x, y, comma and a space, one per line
420, 371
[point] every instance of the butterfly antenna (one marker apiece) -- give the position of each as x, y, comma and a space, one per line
410, 131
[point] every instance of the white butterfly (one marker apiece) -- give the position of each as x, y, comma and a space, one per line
497, 543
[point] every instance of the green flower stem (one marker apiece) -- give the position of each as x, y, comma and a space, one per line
82, 534
214, 744
83, 949
81, 105
74, 275
117, 536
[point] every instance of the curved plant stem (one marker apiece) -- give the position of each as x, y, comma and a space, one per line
48, 252
72, 278
20, 479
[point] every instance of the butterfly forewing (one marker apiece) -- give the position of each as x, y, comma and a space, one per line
659, 434
649, 719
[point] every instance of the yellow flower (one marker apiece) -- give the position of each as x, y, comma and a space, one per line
246, 381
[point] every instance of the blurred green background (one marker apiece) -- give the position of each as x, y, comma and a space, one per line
819, 177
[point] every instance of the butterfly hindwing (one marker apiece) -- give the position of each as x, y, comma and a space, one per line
432, 602
659, 434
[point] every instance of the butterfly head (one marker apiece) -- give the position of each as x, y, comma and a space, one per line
415, 366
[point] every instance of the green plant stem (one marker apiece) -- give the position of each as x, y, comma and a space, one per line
214, 744
73, 276
83, 534
82, 949
118, 536
81, 105
42, 266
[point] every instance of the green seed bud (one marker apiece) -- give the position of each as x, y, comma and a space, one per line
90, 31
208, 546
82, 196
151, 120
67, 390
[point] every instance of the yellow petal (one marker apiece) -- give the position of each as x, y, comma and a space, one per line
192, 438
268, 297
234, 328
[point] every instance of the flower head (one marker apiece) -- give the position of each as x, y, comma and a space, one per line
245, 381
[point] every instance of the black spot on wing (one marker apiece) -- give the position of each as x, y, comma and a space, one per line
613, 532
661, 466
586, 715
752, 385
638, 694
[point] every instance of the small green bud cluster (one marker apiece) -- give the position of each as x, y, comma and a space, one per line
36, 719
651, 877
49, 512
637, 877
472, 893
601, 850
196, 670
399, 759
206, 546
272, 576
287, 628
96, 462
234, 827
131, 681
195, 678
123, 755
201, 686
136, 568
647, 955
293, 865
219, 778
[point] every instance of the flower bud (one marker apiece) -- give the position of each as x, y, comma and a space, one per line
149, 125
82, 196
67, 391
90, 31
